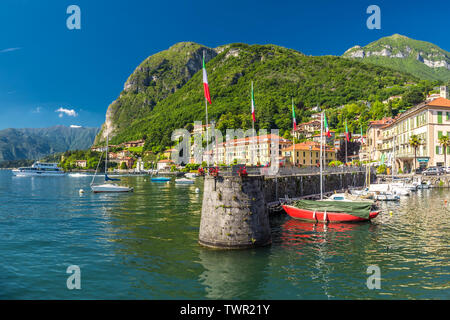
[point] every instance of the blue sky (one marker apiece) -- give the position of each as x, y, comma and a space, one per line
45, 67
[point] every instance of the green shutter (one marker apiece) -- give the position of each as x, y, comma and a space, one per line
439, 134
437, 149
448, 114
439, 117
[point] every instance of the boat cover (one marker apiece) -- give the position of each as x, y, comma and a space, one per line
110, 179
360, 209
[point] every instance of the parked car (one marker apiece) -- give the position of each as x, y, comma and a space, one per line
433, 171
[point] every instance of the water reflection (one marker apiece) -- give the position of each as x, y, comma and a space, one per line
234, 274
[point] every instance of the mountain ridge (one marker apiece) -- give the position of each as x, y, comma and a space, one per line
420, 58
35, 143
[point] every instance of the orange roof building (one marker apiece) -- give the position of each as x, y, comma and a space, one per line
428, 121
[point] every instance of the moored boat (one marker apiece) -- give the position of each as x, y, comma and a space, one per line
332, 211
184, 181
160, 179
110, 187
107, 187
40, 169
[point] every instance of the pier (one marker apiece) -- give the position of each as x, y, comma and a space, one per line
235, 209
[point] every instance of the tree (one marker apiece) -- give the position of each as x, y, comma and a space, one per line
123, 166
444, 141
414, 141
414, 96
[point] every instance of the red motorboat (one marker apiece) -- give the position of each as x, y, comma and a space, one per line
336, 212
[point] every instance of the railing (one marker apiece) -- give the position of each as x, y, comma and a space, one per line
287, 171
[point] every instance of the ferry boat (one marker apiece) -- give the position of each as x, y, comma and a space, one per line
40, 169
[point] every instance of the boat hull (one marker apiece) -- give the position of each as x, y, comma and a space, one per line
160, 179
318, 216
18, 173
110, 188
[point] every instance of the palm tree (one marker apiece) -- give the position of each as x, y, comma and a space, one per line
415, 142
444, 141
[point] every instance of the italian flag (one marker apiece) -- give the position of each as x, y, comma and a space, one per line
346, 132
293, 116
253, 105
327, 129
205, 82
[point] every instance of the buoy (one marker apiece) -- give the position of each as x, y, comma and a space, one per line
197, 190
390, 213
81, 191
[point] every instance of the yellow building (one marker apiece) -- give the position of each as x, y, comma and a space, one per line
308, 154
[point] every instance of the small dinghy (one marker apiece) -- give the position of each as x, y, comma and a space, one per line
184, 181
160, 179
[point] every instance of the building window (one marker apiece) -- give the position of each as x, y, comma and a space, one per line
448, 116
439, 117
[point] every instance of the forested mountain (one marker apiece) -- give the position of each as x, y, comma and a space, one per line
35, 143
422, 59
165, 92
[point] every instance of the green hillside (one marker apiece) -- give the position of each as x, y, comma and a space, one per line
278, 74
422, 59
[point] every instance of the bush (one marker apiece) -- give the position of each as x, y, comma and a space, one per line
381, 169
335, 163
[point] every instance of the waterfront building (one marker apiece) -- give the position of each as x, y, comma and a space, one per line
429, 121
163, 165
388, 139
325, 138
371, 151
308, 154
250, 150
81, 163
307, 129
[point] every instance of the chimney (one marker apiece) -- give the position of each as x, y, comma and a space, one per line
444, 92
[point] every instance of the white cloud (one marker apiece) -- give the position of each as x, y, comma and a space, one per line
37, 110
9, 50
75, 126
69, 112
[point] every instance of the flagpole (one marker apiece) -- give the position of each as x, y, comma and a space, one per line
207, 135
253, 132
346, 138
293, 138
321, 142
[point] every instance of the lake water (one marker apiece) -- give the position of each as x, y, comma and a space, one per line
143, 245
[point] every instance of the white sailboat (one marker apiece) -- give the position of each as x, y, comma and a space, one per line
108, 187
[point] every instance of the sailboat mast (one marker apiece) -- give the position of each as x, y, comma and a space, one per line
106, 162
321, 143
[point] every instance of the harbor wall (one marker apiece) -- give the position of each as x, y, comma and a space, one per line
235, 211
